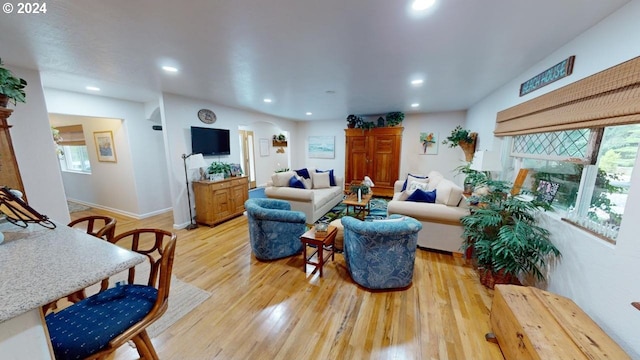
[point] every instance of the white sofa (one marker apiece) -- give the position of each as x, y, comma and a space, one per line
441, 227
313, 202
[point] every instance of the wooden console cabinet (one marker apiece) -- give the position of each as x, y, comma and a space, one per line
374, 153
218, 201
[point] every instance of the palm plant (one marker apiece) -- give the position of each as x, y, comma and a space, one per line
504, 235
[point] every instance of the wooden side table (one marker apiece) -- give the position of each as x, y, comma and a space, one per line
324, 247
360, 208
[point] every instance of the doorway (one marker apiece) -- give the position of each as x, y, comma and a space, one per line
247, 156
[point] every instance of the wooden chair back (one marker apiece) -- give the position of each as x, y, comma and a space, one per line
103, 227
159, 246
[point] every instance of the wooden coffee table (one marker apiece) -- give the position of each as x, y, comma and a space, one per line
323, 247
360, 208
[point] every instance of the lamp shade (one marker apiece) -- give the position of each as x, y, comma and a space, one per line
196, 161
486, 161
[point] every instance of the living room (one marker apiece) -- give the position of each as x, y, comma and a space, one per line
597, 275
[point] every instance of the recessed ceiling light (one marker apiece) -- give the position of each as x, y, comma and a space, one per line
420, 5
415, 105
330, 92
309, 114
417, 82
267, 100
92, 88
170, 69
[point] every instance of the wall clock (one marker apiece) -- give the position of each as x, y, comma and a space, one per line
207, 116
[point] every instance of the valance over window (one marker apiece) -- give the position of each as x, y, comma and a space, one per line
610, 97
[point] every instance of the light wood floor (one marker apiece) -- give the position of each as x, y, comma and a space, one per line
273, 310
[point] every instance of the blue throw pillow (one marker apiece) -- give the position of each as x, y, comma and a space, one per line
332, 180
304, 173
404, 186
420, 195
294, 182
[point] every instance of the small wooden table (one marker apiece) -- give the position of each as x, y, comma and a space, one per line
322, 243
360, 208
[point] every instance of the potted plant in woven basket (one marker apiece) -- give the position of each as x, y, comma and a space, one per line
11, 87
463, 138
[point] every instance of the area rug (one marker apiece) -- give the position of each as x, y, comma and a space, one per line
183, 297
378, 211
75, 207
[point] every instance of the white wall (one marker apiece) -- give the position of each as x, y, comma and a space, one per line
178, 114
320, 128
447, 158
35, 151
266, 165
137, 184
601, 278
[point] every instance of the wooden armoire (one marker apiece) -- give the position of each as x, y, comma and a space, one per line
9, 172
374, 153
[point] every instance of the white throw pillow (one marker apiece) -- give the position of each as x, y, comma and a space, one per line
308, 183
282, 178
320, 180
414, 184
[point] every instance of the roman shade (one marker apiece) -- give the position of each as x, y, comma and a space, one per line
610, 97
71, 135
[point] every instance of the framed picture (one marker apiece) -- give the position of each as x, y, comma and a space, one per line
104, 146
546, 191
322, 147
428, 143
264, 147
236, 170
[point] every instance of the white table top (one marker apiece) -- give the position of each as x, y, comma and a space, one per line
39, 265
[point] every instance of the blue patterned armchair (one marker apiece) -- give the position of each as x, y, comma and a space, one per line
381, 254
274, 229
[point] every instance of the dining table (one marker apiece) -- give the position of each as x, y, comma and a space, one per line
39, 265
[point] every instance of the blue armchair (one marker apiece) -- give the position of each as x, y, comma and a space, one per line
381, 254
274, 229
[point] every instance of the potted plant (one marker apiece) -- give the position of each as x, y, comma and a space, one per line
353, 121
394, 118
220, 168
504, 237
11, 87
472, 178
463, 138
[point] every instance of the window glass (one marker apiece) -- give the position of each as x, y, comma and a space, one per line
594, 196
74, 158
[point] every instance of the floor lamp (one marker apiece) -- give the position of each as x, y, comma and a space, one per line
196, 162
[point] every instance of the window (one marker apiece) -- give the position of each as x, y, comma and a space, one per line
71, 148
74, 158
592, 188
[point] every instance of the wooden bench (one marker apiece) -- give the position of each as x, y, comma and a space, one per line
530, 323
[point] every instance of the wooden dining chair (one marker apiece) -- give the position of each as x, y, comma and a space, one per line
103, 227
96, 326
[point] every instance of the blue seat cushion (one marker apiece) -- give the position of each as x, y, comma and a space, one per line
87, 327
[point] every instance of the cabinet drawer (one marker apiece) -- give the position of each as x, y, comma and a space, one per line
219, 185
239, 182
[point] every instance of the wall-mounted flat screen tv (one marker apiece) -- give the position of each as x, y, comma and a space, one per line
209, 141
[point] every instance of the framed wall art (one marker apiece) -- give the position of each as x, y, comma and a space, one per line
104, 146
428, 143
322, 147
264, 147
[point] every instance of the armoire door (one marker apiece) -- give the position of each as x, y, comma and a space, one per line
356, 163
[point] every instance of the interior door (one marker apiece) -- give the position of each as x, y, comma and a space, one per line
248, 156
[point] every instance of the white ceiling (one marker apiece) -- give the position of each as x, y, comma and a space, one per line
237, 53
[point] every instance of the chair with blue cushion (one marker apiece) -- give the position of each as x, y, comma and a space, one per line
99, 324
380, 255
274, 229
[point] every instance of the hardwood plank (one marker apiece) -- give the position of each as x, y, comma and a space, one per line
272, 310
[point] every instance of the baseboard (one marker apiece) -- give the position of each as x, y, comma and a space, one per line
122, 212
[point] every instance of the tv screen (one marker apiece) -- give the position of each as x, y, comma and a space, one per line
208, 141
